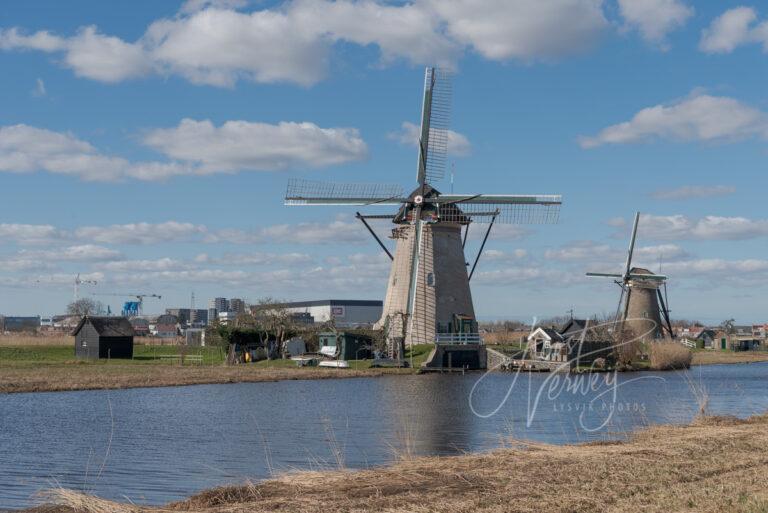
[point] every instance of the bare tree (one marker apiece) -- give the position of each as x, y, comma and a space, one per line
85, 306
271, 318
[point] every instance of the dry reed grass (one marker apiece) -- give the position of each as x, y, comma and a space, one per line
715, 464
36, 340
504, 337
669, 355
710, 357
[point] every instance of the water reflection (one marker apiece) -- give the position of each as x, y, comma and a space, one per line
157, 445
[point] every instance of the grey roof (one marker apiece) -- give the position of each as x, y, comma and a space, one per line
552, 334
107, 326
573, 326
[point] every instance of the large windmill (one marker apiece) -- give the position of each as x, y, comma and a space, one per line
428, 296
642, 303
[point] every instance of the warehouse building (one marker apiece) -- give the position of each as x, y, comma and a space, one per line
347, 313
19, 324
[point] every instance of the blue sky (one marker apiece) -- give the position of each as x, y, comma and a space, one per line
148, 145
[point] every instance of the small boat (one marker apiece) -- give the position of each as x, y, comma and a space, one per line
305, 361
336, 364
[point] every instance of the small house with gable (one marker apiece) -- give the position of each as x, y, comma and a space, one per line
103, 337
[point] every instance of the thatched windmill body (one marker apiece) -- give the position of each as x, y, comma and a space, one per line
642, 308
428, 294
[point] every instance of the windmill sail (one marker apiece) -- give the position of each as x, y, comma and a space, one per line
310, 192
428, 297
435, 120
507, 209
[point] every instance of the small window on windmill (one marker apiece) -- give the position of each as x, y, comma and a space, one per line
431, 279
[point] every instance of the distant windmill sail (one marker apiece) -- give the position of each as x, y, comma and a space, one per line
640, 300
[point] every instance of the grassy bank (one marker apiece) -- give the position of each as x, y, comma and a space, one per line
54, 368
709, 357
713, 465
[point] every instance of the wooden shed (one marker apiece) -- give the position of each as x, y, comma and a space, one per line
103, 337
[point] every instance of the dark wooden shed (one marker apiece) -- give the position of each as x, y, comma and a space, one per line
103, 337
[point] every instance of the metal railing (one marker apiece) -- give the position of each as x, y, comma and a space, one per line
458, 338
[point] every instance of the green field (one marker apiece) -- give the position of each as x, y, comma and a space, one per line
20, 356
35, 356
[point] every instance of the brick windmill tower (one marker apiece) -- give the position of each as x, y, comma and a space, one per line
428, 296
642, 304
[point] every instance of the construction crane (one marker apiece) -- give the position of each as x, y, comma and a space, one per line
132, 308
79, 282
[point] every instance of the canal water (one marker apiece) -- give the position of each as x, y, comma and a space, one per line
155, 445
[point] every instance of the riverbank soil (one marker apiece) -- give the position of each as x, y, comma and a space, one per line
54, 368
714, 465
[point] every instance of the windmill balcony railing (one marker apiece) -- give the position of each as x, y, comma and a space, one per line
458, 338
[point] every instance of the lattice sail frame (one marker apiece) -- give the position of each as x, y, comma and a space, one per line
543, 209
436, 120
312, 192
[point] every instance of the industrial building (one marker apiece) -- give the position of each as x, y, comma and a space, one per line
188, 316
347, 313
19, 324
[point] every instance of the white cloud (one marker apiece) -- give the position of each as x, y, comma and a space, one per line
458, 144
29, 233
335, 232
160, 264
519, 275
237, 145
738, 271
81, 253
654, 19
523, 29
195, 147
192, 6
498, 232
591, 251
39, 89
733, 28
141, 233
495, 255
700, 117
26, 149
694, 192
257, 258
105, 58
706, 228
89, 54
44, 41
210, 42
22, 264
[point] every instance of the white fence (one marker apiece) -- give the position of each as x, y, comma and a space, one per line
458, 338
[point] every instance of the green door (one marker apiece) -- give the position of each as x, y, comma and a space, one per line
722, 343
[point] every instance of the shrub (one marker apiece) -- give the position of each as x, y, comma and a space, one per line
668, 355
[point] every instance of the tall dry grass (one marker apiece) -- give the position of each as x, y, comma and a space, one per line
712, 465
669, 355
26, 339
